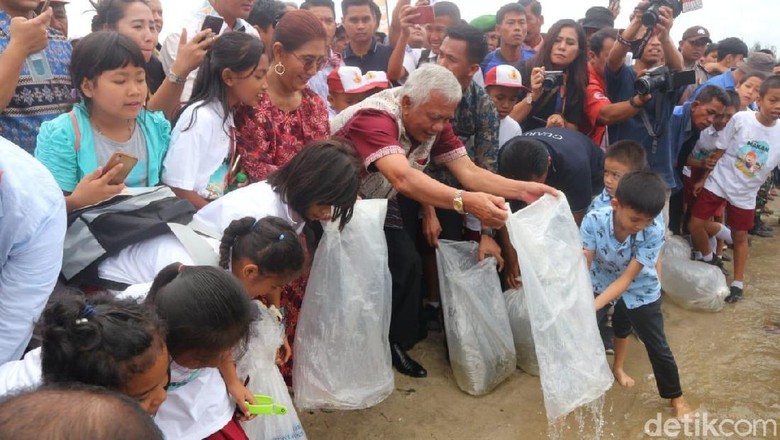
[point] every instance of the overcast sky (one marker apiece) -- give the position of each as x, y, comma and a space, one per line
751, 20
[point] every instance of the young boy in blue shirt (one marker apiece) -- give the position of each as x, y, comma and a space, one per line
622, 243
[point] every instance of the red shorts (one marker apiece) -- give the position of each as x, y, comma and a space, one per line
688, 198
707, 205
231, 431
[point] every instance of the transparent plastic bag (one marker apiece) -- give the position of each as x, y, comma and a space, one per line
258, 365
572, 363
693, 285
342, 353
482, 353
677, 248
522, 334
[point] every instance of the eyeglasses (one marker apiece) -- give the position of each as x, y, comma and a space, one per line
311, 61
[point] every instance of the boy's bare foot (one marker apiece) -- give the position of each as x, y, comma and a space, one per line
680, 407
622, 378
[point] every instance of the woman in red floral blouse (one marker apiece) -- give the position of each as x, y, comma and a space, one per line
288, 116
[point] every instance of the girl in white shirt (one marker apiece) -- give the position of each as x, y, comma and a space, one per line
263, 255
208, 314
201, 162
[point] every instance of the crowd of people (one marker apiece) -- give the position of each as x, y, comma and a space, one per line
260, 119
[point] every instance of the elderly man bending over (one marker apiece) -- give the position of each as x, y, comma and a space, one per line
397, 133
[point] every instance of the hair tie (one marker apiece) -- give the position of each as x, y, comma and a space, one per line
281, 237
87, 312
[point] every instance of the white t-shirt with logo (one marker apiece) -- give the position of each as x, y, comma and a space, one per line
200, 151
752, 151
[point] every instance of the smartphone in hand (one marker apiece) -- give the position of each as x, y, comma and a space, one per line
426, 15
214, 23
127, 161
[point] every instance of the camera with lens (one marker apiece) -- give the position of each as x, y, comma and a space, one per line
651, 14
552, 79
662, 80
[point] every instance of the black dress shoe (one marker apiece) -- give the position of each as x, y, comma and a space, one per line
404, 364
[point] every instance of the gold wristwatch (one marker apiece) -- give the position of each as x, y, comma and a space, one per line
457, 202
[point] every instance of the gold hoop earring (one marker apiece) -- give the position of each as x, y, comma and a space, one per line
279, 68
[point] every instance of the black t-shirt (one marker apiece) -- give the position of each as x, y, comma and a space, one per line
548, 104
577, 164
155, 74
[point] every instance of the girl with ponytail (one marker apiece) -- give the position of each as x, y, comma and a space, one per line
102, 341
201, 162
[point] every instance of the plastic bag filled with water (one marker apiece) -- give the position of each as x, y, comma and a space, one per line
342, 354
479, 339
520, 322
572, 364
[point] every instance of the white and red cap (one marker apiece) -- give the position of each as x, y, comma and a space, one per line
504, 75
349, 79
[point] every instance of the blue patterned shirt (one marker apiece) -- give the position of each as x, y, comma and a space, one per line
476, 124
35, 102
611, 257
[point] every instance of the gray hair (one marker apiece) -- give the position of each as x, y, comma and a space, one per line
430, 78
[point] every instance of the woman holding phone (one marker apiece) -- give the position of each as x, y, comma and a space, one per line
107, 68
135, 19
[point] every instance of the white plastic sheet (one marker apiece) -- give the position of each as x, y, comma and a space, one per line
520, 321
692, 285
572, 363
482, 354
258, 364
342, 353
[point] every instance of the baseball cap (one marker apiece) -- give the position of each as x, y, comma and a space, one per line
696, 33
504, 75
349, 79
757, 62
598, 17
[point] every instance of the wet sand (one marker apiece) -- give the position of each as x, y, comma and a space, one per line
729, 367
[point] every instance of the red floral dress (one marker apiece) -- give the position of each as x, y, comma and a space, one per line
268, 137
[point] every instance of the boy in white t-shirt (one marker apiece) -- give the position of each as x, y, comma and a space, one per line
503, 84
348, 86
747, 152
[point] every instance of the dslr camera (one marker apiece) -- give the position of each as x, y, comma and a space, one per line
651, 14
552, 79
660, 79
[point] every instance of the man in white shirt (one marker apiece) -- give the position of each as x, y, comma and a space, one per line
233, 12
32, 231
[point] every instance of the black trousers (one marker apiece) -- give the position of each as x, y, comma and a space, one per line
648, 323
406, 271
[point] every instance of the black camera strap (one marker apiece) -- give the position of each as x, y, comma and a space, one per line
654, 131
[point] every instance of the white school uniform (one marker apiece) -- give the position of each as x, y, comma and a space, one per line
22, 374
752, 152
140, 262
201, 149
197, 406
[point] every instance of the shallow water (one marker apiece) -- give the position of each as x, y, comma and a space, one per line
729, 366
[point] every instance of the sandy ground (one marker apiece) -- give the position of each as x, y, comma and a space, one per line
729, 366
